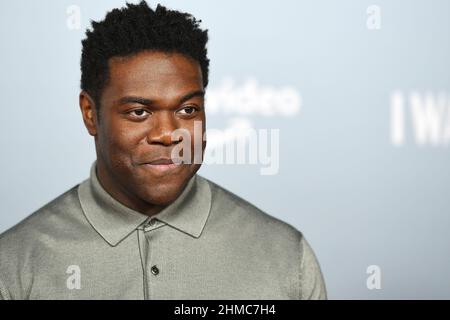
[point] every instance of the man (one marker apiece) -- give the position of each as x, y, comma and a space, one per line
145, 225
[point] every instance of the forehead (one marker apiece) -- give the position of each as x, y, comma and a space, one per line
153, 73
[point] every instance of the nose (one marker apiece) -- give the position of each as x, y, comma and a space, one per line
163, 125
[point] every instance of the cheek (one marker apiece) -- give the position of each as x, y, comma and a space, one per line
195, 144
196, 129
119, 142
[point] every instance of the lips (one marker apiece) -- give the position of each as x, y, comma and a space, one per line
161, 165
160, 161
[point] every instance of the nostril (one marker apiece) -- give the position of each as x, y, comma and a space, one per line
167, 140
160, 137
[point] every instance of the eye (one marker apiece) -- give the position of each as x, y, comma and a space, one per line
189, 110
139, 113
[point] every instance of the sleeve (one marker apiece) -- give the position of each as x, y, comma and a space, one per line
312, 284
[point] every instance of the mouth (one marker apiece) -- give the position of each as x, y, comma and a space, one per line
161, 165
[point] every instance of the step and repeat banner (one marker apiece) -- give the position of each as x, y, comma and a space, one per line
333, 116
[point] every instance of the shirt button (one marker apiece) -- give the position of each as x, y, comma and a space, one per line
152, 222
155, 270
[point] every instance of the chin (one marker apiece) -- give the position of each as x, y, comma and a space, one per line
162, 190
163, 194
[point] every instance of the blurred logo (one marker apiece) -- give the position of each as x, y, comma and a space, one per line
423, 116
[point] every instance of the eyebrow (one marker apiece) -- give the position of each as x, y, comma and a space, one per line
145, 101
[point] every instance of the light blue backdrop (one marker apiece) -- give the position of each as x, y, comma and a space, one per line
364, 163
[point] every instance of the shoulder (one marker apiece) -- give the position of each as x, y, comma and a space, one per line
230, 210
42, 221
31, 238
276, 241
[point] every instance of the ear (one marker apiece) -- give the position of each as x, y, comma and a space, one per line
89, 112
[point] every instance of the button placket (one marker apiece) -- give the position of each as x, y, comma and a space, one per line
152, 268
143, 252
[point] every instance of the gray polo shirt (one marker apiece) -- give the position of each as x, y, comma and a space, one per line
208, 244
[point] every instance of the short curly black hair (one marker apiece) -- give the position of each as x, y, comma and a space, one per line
135, 28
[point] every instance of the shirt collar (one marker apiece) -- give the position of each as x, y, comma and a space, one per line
115, 221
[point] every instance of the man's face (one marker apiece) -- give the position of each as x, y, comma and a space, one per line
147, 97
